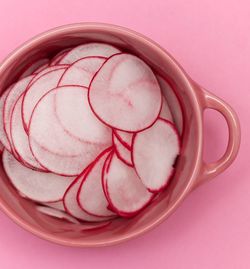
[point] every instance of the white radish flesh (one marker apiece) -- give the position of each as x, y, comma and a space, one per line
125, 94
125, 138
122, 152
38, 186
56, 205
154, 154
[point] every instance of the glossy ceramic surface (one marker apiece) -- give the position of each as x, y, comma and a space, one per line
190, 171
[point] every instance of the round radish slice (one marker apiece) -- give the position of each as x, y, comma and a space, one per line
173, 102
91, 196
154, 153
3, 137
89, 49
59, 151
76, 117
122, 152
125, 94
165, 111
56, 214
125, 138
19, 137
35, 91
82, 71
71, 204
38, 186
17, 90
123, 188
56, 205
58, 57
47, 70
34, 66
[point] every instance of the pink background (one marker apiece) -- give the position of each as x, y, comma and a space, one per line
211, 39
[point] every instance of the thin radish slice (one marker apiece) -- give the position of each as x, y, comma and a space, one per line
59, 151
123, 188
47, 70
19, 137
75, 115
58, 57
56, 205
3, 136
122, 152
41, 68
17, 90
34, 66
91, 196
173, 102
82, 71
71, 204
165, 111
38, 186
125, 94
52, 212
89, 49
125, 138
154, 153
35, 91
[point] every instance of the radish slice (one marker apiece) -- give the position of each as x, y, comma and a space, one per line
10, 101
38, 186
56, 205
56, 214
154, 153
122, 152
82, 71
89, 49
125, 94
34, 66
165, 111
76, 117
125, 138
91, 196
35, 91
59, 151
19, 137
71, 204
58, 57
45, 71
3, 136
41, 68
173, 102
123, 188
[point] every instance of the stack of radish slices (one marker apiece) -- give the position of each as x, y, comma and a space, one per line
88, 135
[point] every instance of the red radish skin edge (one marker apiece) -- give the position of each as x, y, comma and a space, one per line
173, 171
119, 212
126, 145
90, 167
102, 119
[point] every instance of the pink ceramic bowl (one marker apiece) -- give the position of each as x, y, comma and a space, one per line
191, 169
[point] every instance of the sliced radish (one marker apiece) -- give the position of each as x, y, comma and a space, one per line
19, 137
91, 196
16, 91
71, 204
75, 115
38, 186
125, 138
125, 94
41, 68
58, 57
123, 188
59, 151
122, 152
173, 102
165, 111
3, 136
89, 49
57, 205
34, 66
56, 214
82, 71
154, 153
35, 91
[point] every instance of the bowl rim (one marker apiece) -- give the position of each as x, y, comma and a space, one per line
194, 98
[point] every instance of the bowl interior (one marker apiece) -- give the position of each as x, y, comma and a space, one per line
23, 211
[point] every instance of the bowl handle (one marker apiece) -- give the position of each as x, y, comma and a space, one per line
210, 170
